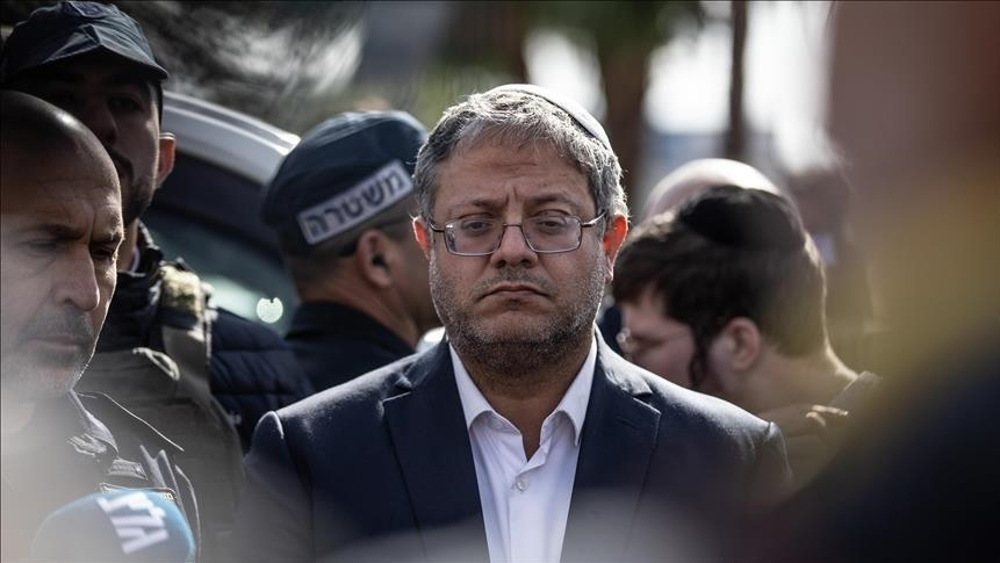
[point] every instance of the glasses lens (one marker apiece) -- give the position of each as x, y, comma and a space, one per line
552, 233
475, 235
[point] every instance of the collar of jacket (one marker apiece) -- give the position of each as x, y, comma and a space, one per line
133, 309
330, 319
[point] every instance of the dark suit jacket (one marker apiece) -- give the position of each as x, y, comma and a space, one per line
381, 468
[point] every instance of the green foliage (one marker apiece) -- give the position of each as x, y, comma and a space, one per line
618, 26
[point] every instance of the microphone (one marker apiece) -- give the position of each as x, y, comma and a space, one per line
125, 525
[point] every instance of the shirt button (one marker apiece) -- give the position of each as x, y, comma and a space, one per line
521, 485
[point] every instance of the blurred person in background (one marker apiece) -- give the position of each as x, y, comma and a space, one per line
165, 352
693, 178
62, 228
683, 183
340, 204
913, 107
522, 437
823, 195
726, 296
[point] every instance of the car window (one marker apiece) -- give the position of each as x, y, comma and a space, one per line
242, 279
207, 216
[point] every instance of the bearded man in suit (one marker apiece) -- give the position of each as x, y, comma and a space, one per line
522, 436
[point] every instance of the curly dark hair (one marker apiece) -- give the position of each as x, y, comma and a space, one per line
730, 253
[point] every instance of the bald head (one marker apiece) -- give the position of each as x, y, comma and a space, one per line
36, 133
60, 204
696, 177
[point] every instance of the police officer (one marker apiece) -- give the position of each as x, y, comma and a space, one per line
340, 203
58, 275
197, 373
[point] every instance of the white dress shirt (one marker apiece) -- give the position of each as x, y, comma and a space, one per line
525, 501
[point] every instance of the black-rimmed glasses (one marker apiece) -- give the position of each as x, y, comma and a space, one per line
544, 234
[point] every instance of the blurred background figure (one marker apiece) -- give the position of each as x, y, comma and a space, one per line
823, 197
686, 182
726, 296
695, 177
341, 204
913, 104
62, 228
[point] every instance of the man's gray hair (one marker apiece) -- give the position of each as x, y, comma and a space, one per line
518, 119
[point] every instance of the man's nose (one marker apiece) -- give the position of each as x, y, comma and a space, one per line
78, 283
514, 248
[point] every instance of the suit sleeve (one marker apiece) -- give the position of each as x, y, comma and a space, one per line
771, 481
274, 520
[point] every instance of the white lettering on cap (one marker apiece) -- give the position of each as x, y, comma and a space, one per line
344, 211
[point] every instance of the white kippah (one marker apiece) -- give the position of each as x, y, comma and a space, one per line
575, 110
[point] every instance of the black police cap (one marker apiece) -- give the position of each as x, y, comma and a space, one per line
344, 173
71, 29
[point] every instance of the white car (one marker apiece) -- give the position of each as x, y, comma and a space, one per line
207, 211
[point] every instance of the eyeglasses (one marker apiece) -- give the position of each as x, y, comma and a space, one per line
544, 234
633, 347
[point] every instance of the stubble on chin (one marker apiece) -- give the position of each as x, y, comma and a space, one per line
509, 355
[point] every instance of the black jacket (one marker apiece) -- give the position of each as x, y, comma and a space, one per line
252, 370
75, 446
335, 343
381, 469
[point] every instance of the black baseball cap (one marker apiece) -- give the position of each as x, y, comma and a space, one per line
71, 29
346, 172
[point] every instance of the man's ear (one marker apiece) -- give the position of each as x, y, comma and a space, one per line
375, 258
614, 235
741, 343
168, 147
423, 236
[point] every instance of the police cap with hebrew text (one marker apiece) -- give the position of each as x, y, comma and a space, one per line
344, 173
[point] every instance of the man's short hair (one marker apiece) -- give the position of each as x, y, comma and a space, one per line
519, 116
730, 253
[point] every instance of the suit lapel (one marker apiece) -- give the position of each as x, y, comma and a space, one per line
431, 440
619, 435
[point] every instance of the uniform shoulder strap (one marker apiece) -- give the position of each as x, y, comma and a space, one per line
186, 326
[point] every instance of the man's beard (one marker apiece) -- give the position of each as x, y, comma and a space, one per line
137, 200
137, 189
35, 378
516, 357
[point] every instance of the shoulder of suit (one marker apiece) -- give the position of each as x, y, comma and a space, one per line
359, 394
123, 424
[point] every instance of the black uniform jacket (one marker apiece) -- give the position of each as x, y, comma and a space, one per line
75, 446
381, 468
335, 343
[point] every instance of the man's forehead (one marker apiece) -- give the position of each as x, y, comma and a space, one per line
59, 191
98, 67
645, 317
493, 175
